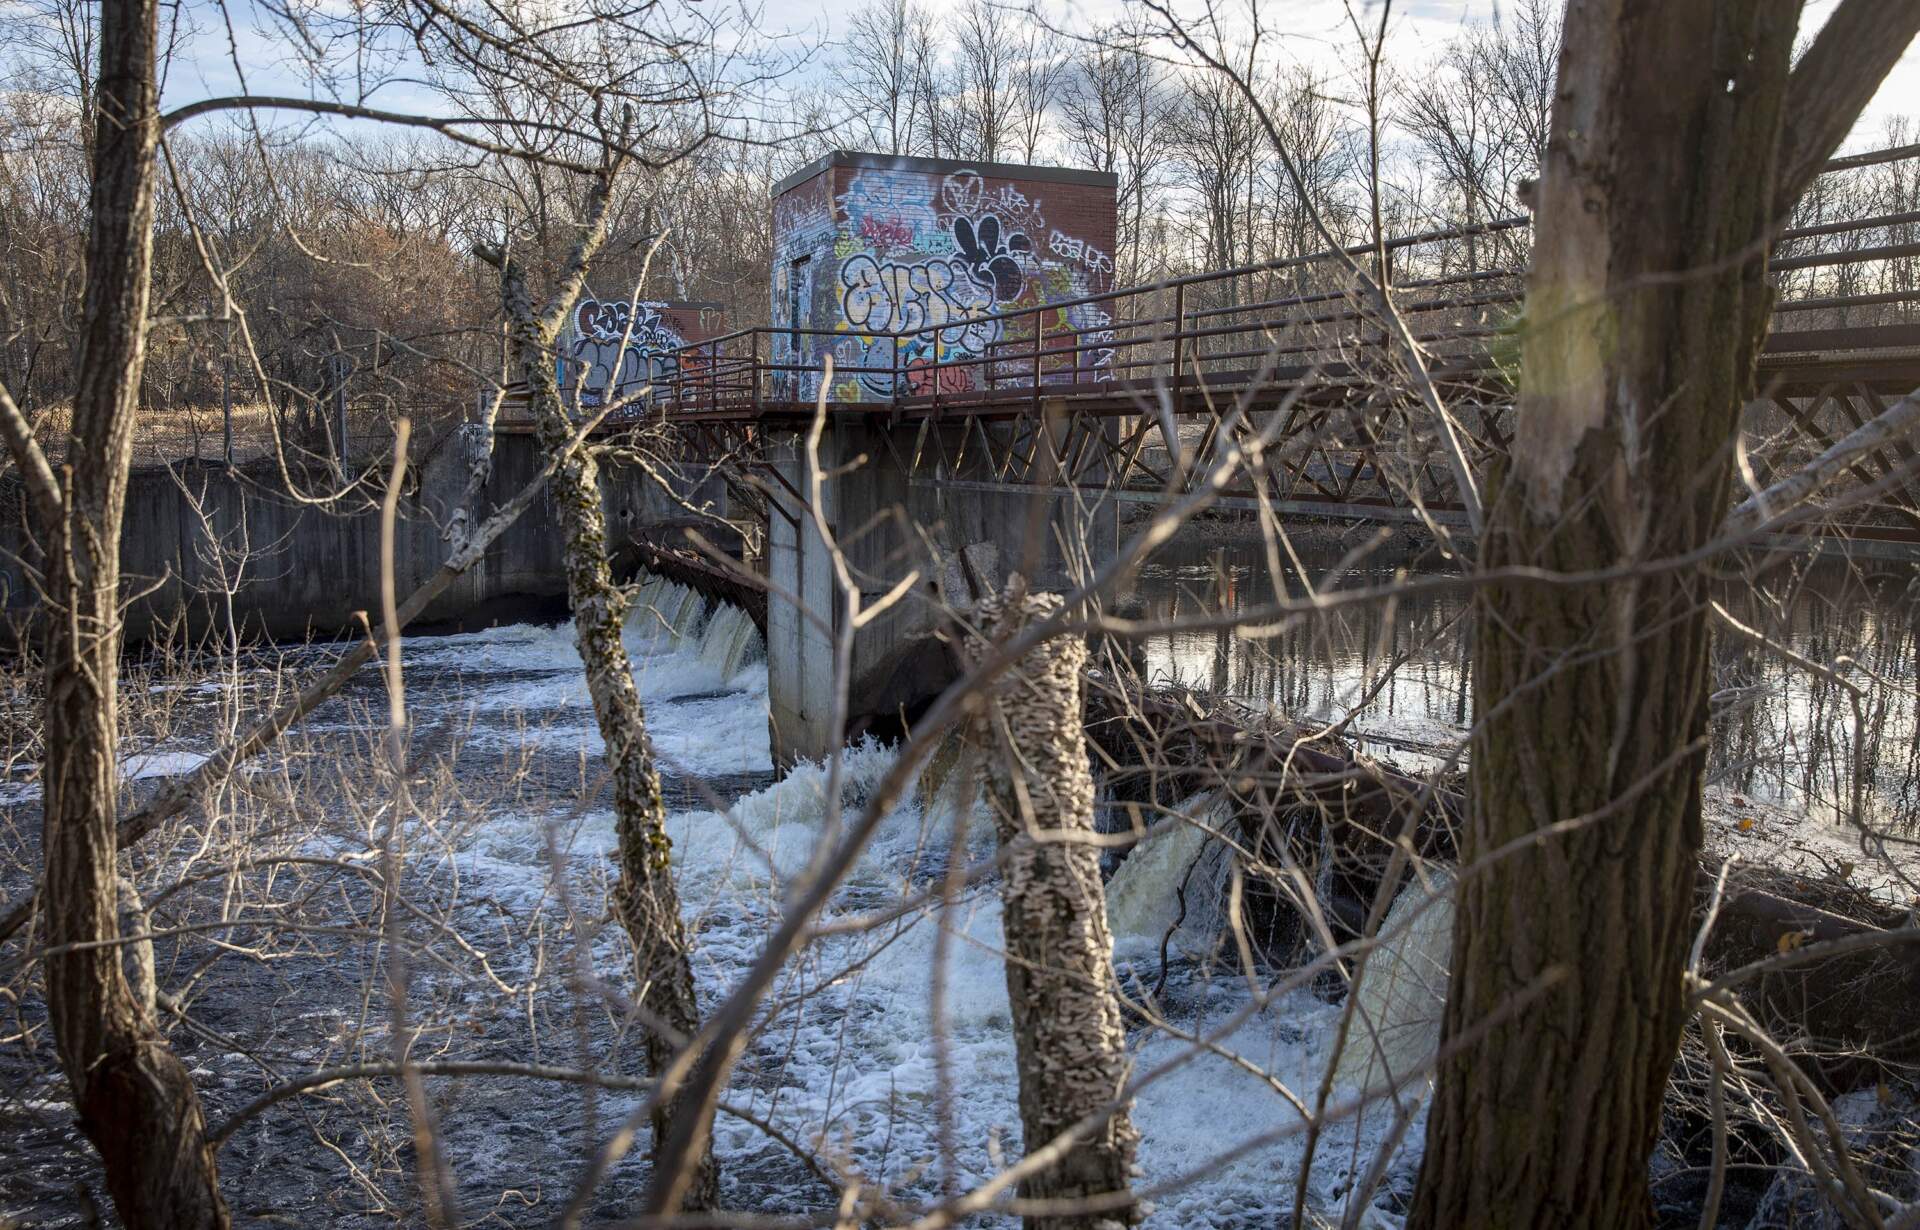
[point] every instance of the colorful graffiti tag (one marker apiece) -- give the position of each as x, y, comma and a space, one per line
935, 256
933, 294
616, 349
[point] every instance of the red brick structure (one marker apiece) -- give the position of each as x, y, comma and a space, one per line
622, 346
867, 246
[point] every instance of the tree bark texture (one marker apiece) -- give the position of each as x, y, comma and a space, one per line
1647, 301
1069, 1036
646, 900
135, 1099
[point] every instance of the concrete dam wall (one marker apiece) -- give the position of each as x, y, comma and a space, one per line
306, 569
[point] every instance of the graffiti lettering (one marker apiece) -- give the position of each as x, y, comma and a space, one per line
889, 231
992, 261
923, 377
883, 210
1062, 244
964, 194
604, 368
1095, 328
936, 294
921, 261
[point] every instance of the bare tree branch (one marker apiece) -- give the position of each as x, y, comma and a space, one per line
1895, 423
1833, 82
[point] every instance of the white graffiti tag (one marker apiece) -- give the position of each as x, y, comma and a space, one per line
1095, 327
1080, 250
964, 194
932, 295
600, 363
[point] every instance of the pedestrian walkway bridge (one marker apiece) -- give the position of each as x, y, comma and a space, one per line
1127, 409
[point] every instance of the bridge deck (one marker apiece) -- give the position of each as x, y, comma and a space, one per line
1882, 358
1848, 312
1048, 401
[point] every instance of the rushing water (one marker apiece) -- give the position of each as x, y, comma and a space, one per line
849, 1059
854, 1056
1793, 733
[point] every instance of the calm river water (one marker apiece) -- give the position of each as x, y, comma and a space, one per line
1781, 731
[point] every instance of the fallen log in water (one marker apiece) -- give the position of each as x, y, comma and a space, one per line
1312, 802
664, 551
1857, 1012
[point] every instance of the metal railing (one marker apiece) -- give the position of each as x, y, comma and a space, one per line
1849, 285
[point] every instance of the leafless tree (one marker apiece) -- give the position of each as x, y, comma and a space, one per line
885, 64
1066, 1020
1479, 111
1038, 77
134, 1098
1310, 126
983, 115
1593, 601
646, 900
1215, 137
1113, 107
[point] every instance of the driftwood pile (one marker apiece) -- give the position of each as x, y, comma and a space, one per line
1313, 803
1302, 802
1310, 802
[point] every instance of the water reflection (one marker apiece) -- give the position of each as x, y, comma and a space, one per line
1828, 724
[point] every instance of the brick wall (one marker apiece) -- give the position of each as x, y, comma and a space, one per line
591, 343
867, 245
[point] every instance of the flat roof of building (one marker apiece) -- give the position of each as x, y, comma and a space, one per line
704, 305
945, 166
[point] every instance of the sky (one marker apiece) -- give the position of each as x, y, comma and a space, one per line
1319, 33
1312, 32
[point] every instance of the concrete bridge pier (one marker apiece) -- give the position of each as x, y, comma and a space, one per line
895, 502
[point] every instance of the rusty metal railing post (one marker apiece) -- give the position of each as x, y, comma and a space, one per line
933, 370
1039, 342
1179, 339
754, 374
894, 388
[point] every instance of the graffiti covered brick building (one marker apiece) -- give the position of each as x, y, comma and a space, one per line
867, 246
616, 347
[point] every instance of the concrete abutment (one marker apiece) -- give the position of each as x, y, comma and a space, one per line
301, 568
895, 506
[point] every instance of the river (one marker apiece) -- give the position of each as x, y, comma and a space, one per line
1790, 733
847, 1057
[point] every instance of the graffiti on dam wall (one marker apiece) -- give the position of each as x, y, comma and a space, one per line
936, 257
616, 348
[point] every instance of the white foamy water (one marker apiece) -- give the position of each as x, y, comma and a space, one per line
134, 767
1144, 898
704, 682
848, 1059
850, 1062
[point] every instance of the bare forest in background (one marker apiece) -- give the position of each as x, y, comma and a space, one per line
351, 262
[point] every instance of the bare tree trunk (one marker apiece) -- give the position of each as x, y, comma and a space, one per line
134, 1097
646, 900
1068, 1033
1647, 301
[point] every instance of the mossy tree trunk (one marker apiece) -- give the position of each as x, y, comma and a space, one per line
646, 900
1647, 302
1069, 1036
